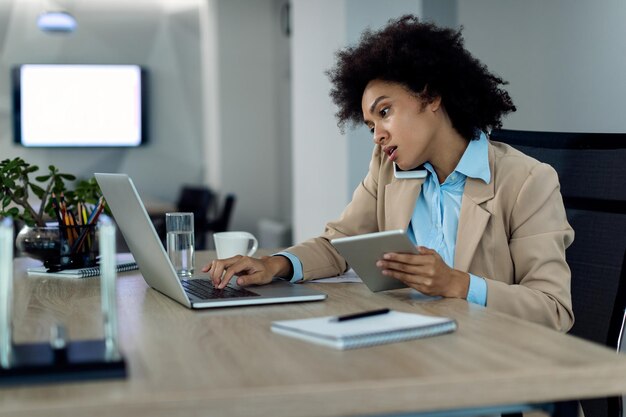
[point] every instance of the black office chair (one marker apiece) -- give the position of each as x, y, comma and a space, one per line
203, 203
621, 349
200, 201
221, 223
593, 184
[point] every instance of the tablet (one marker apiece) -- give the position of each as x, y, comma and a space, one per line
363, 251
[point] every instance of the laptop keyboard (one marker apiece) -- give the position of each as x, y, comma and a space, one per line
204, 289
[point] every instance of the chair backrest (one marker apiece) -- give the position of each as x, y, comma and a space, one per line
196, 199
593, 184
616, 408
200, 201
620, 344
221, 223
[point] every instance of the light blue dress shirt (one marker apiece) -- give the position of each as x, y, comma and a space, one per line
435, 220
441, 205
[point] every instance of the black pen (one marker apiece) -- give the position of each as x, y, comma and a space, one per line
361, 315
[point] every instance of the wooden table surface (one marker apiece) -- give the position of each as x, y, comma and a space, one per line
227, 362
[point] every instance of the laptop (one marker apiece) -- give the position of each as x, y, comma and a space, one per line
157, 270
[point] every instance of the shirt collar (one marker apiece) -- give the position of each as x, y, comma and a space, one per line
475, 161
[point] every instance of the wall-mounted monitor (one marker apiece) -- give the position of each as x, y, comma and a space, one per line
60, 105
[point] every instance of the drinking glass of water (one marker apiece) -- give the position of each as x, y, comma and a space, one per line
180, 242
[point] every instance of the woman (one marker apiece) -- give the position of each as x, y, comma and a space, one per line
489, 220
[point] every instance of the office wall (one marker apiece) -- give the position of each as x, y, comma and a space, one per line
565, 59
219, 94
253, 107
319, 150
326, 164
161, 35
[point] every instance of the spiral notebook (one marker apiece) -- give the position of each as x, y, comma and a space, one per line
392, 327
125, 262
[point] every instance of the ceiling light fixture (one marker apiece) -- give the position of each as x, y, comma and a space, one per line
57, 22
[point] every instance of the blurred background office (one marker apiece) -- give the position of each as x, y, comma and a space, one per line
238, 98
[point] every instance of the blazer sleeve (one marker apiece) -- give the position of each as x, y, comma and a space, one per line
318, 257
539, 235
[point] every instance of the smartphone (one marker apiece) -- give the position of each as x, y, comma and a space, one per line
418, 172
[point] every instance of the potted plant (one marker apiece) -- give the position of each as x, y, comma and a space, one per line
17, 188
30, 201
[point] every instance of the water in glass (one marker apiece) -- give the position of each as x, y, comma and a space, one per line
180, 251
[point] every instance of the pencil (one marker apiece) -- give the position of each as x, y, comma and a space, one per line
66, 222
62, 205
83, 216
79, 217
98, 212
93, 217
55, 206
95, 213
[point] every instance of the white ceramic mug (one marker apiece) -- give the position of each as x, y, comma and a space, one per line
230, 244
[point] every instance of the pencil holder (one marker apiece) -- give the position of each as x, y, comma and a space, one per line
78, 248
65, 247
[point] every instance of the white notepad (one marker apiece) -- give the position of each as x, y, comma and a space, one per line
394, 326
125, 262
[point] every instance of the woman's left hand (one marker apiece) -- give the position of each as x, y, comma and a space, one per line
426, 272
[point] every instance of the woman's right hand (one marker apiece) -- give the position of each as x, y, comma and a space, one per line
249, 270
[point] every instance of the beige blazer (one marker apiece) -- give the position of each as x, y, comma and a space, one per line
513, 232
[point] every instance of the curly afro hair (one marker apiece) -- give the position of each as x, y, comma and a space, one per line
429, 61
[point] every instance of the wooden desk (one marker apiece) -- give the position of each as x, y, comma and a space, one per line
226, 362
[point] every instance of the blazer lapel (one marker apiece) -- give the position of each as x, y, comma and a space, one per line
400, 198
473, 217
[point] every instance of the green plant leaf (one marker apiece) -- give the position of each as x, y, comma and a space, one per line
58, 186
13, 212
28, 219
43, 178
39, 192
68, 177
